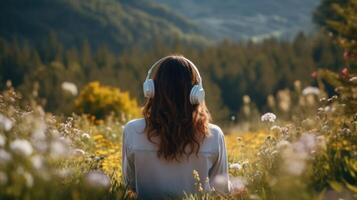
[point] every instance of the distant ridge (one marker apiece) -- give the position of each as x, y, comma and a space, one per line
116, 24
242, 19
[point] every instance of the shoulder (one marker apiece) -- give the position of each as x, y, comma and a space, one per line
214, 140
135, 125
215, 130
215, 134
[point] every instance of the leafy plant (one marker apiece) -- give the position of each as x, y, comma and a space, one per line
100, 101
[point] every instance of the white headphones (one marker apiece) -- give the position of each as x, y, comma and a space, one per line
197, 94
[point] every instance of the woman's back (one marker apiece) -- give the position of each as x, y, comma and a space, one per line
162, 150
153, 177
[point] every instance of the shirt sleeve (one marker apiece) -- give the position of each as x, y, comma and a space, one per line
128, 168
218, 174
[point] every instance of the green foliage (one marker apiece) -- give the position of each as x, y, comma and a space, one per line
337, 167
100, 101
340, 19
346, 87
325, 12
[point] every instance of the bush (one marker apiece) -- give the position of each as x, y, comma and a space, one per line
100, 101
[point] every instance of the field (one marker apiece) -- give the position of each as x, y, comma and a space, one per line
310, 156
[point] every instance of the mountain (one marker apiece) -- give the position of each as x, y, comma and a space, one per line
121, 24
242, 19
117, 24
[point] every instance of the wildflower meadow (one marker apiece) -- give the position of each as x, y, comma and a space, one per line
71, 75
312, 156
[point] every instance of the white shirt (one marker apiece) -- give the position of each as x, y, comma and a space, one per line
154, 178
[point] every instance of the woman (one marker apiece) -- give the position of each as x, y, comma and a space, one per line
174, 139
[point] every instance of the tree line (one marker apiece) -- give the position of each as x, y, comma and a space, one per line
230, 69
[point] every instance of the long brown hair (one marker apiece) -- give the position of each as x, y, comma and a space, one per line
179, 126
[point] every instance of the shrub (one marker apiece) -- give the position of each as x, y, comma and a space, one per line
100, 101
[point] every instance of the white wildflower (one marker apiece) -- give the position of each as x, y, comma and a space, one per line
238, 185
70, 87
79, 152
40, 111
299, 150
309, 141
254, 197
294, 160
311, 90
246, 110
327, 108
97, 179
353, 79
39, 130
196, 175
21, 146
282, 144
64, 140
29, 179
220, 183
2, 140
271, 101
4, 156
76, 130
5, 122
37, 162
246, 99
233, 118
284, 99
58, 149
310, 100
268, 117
275, 129
295, 167
85, 136
40, 145
297, 85
235, 166
63, 173
296, 155
55, 133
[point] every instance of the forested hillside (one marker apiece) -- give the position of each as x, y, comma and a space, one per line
241, 19
116, 24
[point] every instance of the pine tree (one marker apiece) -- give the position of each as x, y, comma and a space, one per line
340, 18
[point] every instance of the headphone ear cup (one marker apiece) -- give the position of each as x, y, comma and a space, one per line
192, 95
197, 95
149, 88
200, 95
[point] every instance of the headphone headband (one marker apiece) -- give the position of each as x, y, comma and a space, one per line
187, 60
